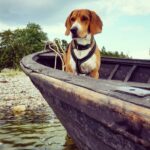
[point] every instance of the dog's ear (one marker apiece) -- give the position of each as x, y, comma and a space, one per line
95, 23
68, 24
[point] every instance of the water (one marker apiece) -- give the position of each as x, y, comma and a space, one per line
35, 127
40, 130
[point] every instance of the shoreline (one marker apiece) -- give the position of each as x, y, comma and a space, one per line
20, 99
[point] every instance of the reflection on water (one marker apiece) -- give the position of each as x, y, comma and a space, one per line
46, 136
33, 132
26, 120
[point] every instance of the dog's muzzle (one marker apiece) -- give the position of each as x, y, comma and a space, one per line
74, 32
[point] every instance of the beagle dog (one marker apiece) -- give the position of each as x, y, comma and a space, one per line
83, 55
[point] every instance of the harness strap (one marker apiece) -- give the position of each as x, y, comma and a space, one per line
82, 60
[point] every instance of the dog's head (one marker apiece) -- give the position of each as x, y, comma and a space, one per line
83, 22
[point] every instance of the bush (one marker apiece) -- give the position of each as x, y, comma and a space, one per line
16, 44
104, 52
113, 54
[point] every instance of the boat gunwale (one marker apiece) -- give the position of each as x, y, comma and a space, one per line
29, 65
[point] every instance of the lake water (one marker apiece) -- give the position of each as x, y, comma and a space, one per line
37, 127
33, 132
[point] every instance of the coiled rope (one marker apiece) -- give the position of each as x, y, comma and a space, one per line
56, 47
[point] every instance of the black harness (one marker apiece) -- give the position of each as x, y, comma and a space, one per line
80, 47
78, 61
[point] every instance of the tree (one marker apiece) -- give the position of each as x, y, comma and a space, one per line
16, 44
113, 54
64, 44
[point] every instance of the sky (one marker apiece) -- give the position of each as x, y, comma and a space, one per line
126, 23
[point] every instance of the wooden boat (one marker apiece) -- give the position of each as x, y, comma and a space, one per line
112, 113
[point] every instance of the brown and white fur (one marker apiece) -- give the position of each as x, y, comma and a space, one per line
83, 25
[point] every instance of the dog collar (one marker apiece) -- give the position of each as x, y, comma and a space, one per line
82, 47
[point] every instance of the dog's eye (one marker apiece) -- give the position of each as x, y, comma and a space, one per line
72, 19
84, 18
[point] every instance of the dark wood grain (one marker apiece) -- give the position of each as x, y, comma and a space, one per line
92, 121
130, 73
100, 86
113, 72
97, 114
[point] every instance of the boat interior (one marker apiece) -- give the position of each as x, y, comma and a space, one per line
126, 79
119, 100
125, 70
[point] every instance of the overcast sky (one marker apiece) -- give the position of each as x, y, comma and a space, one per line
126, 22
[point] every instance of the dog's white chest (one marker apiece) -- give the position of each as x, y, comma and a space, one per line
86, 66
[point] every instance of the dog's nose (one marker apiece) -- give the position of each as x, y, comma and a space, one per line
74, 30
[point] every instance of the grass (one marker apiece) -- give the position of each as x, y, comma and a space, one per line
10, 72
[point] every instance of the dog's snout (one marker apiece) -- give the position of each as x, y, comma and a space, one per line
74, 30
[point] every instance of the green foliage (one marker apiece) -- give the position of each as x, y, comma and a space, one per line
16, 44
61, 44
113, 54
64, 44
104, 52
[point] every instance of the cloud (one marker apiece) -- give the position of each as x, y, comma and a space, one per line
128, 7
18, 11
53, 31
120, 18
132, 28
111, 10
136, 7
5, 26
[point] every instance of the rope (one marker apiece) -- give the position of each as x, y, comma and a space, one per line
58, 50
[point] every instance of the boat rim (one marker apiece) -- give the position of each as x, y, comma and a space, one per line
29, 65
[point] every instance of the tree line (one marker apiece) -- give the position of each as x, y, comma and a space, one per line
16, 44
116, 54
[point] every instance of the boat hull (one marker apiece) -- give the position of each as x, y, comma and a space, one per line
98, 115
92, 125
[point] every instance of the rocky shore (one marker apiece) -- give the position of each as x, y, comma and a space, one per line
19, 98
26, 120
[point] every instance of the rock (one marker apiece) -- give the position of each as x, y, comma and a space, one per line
19, 110
1, 146
3, 81
18, 97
